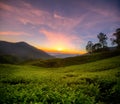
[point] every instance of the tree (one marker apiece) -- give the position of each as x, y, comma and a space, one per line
96, 47
89, 46
117, 39
102, 39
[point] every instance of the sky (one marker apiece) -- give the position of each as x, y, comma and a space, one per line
62, 26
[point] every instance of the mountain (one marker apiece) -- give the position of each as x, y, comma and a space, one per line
22, 50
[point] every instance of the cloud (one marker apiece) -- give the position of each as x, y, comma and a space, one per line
56, 39
12, 33
58, 16
102, 13
5, 7
25, 13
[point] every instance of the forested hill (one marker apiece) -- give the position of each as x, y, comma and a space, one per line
22, 51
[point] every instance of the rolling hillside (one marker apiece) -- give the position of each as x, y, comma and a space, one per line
77, 60
90, 83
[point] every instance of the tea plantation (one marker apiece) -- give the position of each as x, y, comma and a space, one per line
95, 82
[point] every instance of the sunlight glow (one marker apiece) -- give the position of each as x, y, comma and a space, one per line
59, 49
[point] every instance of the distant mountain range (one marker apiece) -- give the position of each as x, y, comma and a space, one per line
22, 51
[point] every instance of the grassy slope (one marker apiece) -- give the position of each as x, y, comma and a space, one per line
90, 83
74, 60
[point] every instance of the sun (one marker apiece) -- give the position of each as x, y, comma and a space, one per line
59, 49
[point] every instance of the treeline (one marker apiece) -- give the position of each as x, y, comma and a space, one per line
102, 44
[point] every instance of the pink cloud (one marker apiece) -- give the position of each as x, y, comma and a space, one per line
58, 16
5, 7
56, 39
26, 13
13, 33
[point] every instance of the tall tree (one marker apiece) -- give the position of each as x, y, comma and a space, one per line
96, 47
89, 46
117, 37
102, 39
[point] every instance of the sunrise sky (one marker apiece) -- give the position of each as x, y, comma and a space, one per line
58, 25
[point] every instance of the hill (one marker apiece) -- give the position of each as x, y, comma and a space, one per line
77, 60
89, 83
22, 51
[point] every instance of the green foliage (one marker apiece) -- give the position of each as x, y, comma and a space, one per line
91, 83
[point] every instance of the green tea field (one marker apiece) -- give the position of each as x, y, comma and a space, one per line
95, 82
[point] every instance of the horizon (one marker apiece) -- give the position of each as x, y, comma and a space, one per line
58, 26
51, 52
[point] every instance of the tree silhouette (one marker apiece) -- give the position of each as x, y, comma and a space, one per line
96, 47
89, 46
102, 39
117, 35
